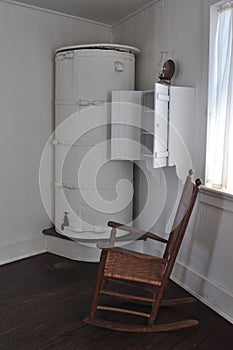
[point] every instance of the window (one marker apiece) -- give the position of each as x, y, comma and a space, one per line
219, 161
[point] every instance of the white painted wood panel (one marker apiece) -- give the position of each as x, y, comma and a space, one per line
181, 129
65, 77
28, 40
160, 154
125, 125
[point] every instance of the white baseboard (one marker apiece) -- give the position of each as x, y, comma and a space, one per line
23, 249
80, 252
208, 292
72, 250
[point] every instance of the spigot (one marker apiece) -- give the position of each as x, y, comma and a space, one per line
65, 220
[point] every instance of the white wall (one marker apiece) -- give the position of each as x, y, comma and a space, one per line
142, 31
182, 28
28, 38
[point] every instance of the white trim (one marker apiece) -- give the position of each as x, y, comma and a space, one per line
24, 249
201, 276
72, 250
81, 252
207, 291
62, 14
203, 300
216, 198
210, 293
104, 46
216, 192
134, 14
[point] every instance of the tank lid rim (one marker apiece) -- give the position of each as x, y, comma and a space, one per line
103, 46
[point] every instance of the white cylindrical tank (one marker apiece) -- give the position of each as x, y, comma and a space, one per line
85, 78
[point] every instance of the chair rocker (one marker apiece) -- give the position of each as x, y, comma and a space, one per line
122, 267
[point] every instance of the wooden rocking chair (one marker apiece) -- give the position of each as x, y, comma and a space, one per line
128, 267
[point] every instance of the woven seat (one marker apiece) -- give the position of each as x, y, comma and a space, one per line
150, 273
137, 267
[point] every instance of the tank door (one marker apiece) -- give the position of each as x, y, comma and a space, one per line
126, 125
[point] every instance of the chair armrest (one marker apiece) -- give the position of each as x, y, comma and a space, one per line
155, 237
136, 231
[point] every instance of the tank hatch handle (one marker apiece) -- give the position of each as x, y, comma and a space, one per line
118, 66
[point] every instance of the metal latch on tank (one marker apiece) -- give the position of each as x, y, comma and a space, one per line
61, 142
69, 186
86, 103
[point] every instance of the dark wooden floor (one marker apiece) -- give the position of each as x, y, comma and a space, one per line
43, 307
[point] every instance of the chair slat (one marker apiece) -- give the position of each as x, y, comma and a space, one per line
125, 311
126, 296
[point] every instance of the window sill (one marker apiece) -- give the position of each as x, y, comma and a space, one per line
216, 198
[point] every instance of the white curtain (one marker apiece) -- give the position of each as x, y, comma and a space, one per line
219, 162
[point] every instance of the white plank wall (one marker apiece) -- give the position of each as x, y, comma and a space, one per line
142, 31
28, 38
182, 28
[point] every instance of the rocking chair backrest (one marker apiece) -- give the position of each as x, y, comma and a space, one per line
185, 207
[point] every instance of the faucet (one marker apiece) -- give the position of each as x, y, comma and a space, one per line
65, 220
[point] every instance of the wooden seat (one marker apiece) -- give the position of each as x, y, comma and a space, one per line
140, 272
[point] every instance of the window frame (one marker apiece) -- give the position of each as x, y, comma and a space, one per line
214, 9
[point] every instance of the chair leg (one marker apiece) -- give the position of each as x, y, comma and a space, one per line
98, 284
155, 306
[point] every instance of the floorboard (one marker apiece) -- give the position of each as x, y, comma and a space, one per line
44, 299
